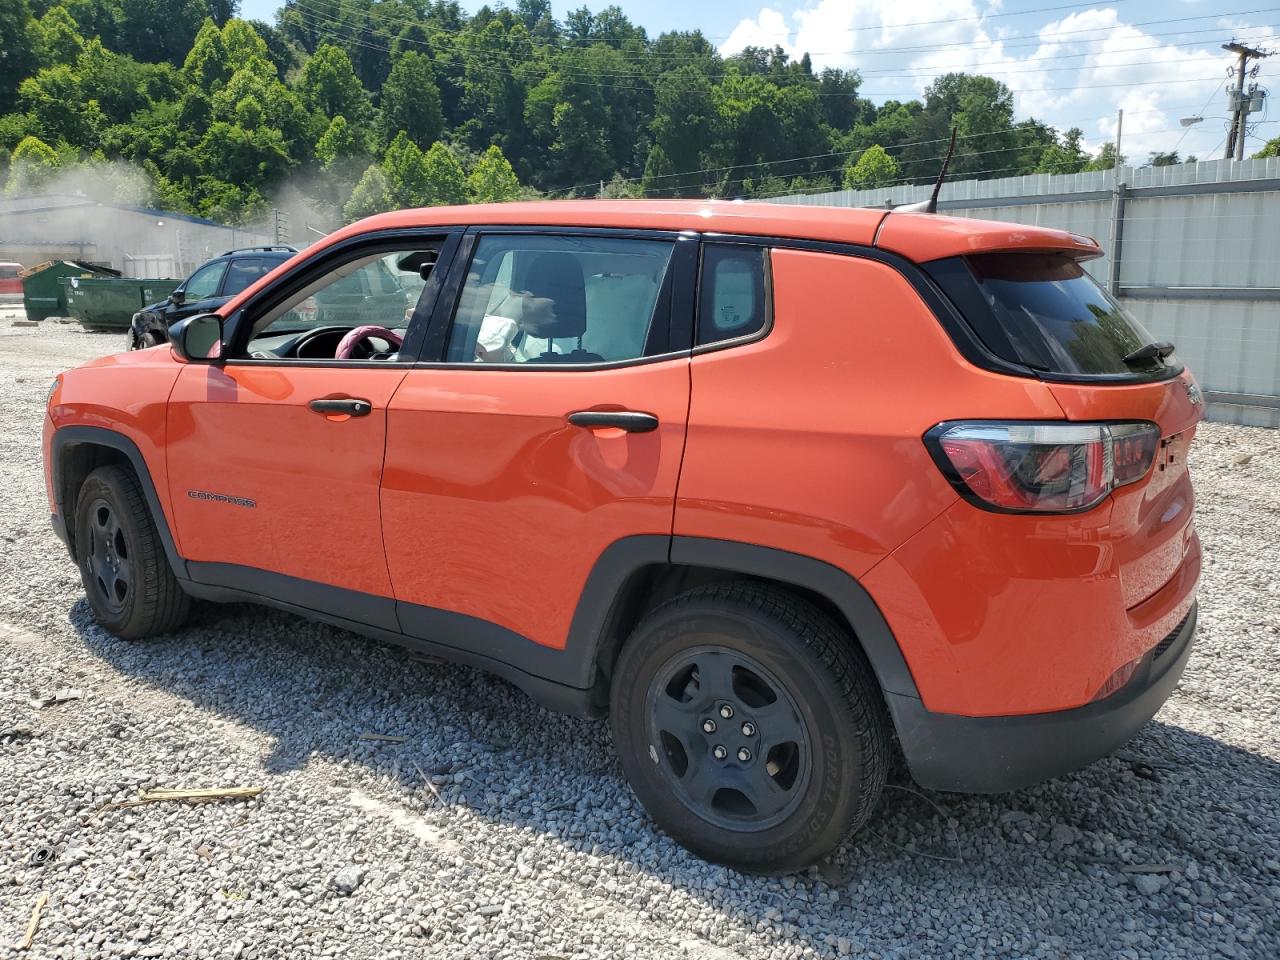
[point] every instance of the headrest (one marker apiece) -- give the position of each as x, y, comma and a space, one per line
558, 277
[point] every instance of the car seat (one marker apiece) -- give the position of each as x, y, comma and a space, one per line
558, 277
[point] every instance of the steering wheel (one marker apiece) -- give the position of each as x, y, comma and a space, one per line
347, 346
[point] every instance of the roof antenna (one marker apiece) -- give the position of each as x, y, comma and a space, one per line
931, 205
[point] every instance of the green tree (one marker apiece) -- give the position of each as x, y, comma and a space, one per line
248, 157
207, 66
620, 188
1158, 159
56, 37
160, 30
244, 44
411, 101
371, 195
59, 106
18, 57
1065, 157
328, 85
1272, 149
684, 124
340, 144
1106, 159
122, 86
657, 180
492, 179
446, 183
404, 167
32, 165
874, 168
838, 93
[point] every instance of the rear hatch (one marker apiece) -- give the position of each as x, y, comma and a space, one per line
1041, 311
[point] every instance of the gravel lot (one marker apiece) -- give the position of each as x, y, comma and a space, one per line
496, 829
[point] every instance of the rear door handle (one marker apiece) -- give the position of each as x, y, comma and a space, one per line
351, 406
631, 421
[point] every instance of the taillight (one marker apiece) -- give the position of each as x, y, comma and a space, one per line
1041, 467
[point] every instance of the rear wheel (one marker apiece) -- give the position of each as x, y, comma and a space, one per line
750, 726
127, 579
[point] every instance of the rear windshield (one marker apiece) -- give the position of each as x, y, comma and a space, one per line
1045, 312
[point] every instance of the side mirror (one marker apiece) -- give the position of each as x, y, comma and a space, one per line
178, 298
198, 339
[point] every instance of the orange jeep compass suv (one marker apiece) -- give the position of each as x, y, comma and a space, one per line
778, 489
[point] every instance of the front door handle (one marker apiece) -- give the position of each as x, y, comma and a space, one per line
631, 421
351, 406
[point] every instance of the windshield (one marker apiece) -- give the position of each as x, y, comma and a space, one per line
1043, 311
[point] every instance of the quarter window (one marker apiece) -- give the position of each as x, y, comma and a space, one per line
733, 302
563, 300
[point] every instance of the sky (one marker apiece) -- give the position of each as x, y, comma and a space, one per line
1069, 63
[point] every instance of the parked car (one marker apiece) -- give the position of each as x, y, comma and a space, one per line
777, 489
10, 281
208, 288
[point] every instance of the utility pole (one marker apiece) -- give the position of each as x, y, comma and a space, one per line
1119, 134
1239, 105
1117, 216
280, 225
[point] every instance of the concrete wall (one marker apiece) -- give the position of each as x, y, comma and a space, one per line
136, 241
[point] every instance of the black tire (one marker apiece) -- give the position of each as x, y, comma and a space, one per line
127, 578
813, 781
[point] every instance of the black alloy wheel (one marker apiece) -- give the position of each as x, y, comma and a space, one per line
750, 725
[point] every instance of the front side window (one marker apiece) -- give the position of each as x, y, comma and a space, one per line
204, 282
734, 298
563, 300
356, 310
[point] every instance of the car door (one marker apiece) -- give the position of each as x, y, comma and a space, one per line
275, 458
199, 292
550, 427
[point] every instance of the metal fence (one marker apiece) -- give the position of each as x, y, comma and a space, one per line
1192, 250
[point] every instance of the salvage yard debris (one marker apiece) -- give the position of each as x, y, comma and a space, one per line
58, 696
382, 737
190, 796
34, 924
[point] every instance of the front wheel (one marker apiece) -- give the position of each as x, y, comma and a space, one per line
127, 578
750, 726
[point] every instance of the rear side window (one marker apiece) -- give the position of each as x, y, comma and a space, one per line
562, 300
1045, 312
241, 273
733, 301
8, 271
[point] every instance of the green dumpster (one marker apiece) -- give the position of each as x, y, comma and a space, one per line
109, 303
43, 295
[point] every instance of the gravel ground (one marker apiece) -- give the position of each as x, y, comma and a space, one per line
496, 829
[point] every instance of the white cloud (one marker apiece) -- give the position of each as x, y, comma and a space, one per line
769, 29
1074, 71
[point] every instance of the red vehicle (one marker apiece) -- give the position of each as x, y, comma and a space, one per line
10, 280
778, 489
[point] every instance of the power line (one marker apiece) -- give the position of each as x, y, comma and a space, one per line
335, 8
744, 167
643, 87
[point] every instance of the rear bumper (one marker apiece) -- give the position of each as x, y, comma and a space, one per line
998, 754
